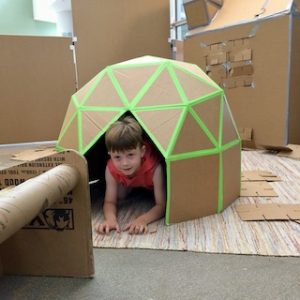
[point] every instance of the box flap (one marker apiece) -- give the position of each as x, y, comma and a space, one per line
257, 189
236, 12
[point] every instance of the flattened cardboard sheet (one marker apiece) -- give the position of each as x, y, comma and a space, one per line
293, 153
273, 211
257, 189
32, 154
259, 175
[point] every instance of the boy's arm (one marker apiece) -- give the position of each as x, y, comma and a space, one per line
110, 205
157, 211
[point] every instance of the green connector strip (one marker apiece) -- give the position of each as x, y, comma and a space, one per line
117, 87
136, 65
220, 185
98, 78
102, 131
203, 127
206, 80
176, 132
168, 204
221, 122
177, 84
79, 131
148, 84
153, 138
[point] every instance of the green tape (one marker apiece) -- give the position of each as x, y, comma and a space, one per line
168, 204
117, 86
148, 84
203, 127
176, 131
79, 131
220, 185
177, 84
98, 78
152, 137
221, 119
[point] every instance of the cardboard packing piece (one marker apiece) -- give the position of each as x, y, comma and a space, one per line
257, 189
23, 203
251, 50
186, 116
292, 151
57, 242
259, 175
200, 12
257, 212
37, 76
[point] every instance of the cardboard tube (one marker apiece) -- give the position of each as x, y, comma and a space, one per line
24, 202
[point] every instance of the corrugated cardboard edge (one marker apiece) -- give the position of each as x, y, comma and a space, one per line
257, 189
267, 212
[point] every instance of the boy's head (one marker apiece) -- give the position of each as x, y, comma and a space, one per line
125, 134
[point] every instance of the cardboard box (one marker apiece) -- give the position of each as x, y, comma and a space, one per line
37, 77
58, 241
200, 12
251, 49
183, 112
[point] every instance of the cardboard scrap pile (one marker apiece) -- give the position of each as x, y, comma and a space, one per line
255, 184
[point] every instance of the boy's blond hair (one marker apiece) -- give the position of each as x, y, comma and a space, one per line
124, 134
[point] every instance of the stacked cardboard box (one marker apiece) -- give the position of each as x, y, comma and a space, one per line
251, 49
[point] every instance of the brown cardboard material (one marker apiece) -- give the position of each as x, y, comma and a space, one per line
258, 212
292, 151
259, 175
37, 77
199, 12
106, 35
192, 129
20, 205
257, 189
57, 242
245, 41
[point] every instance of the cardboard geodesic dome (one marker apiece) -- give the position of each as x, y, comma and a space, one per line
185, 114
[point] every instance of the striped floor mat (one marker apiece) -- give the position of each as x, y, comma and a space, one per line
225, 232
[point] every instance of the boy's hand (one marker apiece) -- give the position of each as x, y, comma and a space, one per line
106, 226
138, 226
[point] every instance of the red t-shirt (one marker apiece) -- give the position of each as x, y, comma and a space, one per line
144, 175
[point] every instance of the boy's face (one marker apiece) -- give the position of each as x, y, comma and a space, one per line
129, 161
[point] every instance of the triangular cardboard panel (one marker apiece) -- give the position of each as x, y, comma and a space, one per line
162, 92
70, 138
194, 190
133, 79
191, 137
195, 70
164, 125
209, 112
193, 87
71, 111
81, 94
104, 94
231, 170
93, 122
229, 131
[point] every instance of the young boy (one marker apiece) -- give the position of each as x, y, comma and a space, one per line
133, 163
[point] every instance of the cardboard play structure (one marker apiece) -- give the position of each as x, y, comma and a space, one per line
45, 214
186, 116
251, 49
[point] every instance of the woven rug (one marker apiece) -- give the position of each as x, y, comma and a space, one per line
220, 233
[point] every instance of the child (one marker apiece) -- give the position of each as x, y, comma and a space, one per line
133, 163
